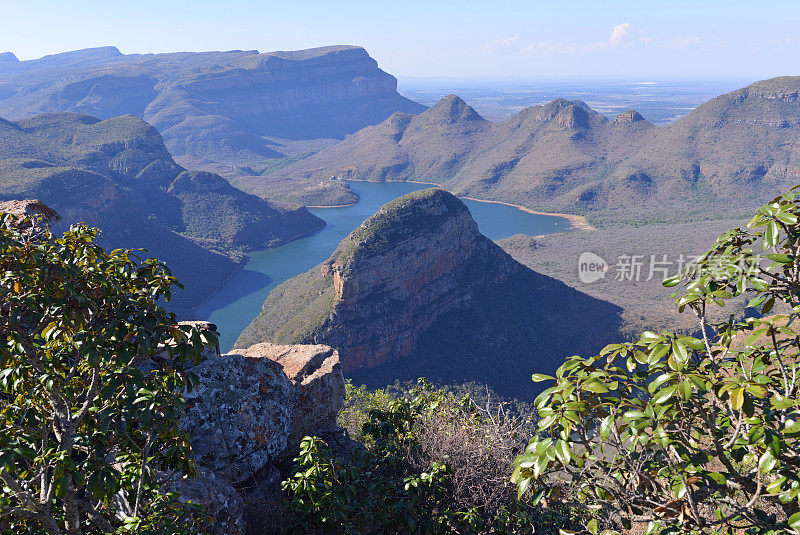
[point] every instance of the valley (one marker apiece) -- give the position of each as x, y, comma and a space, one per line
241, 298
474, 268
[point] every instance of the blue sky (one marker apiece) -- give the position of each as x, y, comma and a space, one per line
492, 38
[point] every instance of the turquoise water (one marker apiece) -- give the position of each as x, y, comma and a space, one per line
240, 300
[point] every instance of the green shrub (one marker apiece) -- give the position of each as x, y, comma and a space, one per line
433, 463
84, 431
688, 434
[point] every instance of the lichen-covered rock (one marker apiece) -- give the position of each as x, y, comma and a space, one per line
218, 497
318, 386
239, 414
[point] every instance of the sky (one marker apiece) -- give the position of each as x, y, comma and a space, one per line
440, 38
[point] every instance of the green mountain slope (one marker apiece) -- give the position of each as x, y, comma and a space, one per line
117, 174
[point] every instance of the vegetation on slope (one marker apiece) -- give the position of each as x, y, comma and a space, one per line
117, 174
433, 462
721, 160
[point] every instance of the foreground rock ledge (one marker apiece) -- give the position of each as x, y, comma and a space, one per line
318, 393
248, 414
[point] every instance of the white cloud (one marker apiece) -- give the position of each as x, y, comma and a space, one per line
560, 47
683, 42
623, 36
619, 34
500, 43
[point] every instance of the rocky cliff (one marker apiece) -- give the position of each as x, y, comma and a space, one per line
418, 291
118, 175
233, 112
245, 419
725, 158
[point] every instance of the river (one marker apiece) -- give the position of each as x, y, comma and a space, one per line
240, 300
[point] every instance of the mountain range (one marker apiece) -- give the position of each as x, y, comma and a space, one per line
723, 159
238, 113
417, 290
118, 175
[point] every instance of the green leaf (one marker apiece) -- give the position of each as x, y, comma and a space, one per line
680, 352
737, 397
665, 394
594, 386
539, 377
794, 521
771, 233
562, 451
781, 258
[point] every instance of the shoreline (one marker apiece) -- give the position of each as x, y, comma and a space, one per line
243, 263
576, 222
334, 205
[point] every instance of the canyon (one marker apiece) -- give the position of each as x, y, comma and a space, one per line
417, 290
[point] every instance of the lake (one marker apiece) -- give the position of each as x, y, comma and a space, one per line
240, 300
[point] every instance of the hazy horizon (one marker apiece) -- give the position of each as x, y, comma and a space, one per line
504, 38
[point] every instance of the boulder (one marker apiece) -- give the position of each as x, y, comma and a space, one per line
238, 416
218, 496
318, 393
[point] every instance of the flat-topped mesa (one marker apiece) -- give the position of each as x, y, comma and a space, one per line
419, 291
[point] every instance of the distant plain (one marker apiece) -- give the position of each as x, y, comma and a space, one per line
496, 99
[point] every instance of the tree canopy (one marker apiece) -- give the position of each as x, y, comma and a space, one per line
91, 382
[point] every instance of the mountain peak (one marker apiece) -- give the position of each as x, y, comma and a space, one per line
417, 290
629, 117
419, 211
451, 109
784, 88
8, 58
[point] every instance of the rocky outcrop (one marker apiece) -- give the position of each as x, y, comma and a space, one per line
24, 214
246, 416
220, 499
239, 415
629, 117
417, 290
318, 393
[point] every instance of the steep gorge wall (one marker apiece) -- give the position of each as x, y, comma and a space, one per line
417, 291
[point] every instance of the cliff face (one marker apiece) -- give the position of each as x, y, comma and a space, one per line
418, 291
214, 109
245, 418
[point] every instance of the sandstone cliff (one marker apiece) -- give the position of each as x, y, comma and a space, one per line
418, 291
234, 112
